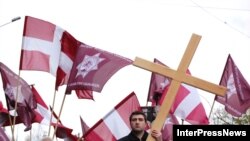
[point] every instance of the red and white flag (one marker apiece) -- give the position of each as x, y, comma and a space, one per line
49, 48
236, 100
43, 115
187, 104
116, 123
93, 67
41, 46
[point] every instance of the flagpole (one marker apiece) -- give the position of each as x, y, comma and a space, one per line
12, 20
10, 120
211, 109
59, 116
52, 109
17, 93
30, 135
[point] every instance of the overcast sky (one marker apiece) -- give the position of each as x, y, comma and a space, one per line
144, 28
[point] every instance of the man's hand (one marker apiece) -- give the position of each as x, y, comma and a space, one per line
157, 135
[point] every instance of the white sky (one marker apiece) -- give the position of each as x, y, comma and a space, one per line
145, 28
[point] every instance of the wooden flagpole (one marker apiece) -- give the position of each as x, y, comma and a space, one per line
17, 93
177, 77
64, 97
52, 109
211, 109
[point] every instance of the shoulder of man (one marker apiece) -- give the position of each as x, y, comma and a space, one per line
124, 139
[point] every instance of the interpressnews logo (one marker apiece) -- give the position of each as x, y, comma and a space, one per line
202, 132
213, 132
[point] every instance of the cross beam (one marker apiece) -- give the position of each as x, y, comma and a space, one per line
179, 76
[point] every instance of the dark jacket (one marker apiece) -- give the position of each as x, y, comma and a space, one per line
132, 137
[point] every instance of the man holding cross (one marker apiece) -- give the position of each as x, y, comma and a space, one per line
178, 76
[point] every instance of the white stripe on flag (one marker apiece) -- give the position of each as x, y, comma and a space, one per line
188, 104
116, 124
53, 49
65, 63
46, 114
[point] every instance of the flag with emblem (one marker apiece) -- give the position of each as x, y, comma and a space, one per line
236, 100
18, 91
93, 67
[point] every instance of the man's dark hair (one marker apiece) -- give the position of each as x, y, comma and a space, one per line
138, 113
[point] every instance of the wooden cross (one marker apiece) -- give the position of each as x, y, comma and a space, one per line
177, 77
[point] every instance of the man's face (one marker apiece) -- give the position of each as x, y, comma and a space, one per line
138, 123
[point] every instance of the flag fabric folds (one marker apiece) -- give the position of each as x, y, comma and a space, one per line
236, 100
43, 115
5, 117
187, 104
41, 46
18, 91
116, 123
93, 67
3, 136
69, 46
49, 48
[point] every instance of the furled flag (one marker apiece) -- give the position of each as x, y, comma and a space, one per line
236, 100
93, 67
43, 116
116, 123
49, 48
17, 90
187, 104
84, 126
3, 136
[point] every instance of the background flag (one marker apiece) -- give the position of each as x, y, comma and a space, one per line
187, 104
116, 123
236, 99
17, 90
